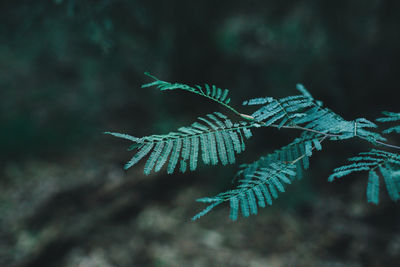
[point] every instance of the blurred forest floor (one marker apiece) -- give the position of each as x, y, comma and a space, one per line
93, 214
73, 69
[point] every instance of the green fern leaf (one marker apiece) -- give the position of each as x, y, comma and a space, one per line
303, 90
267, 195
212, 149
390, 117
174, 156
229, 147
186, 148
373, 188
221, 148
217, 138
164, 155
253, 193
391, 182
183, 166
234, 213
205, 211
302, 110
153, 158
204, 148
207, 89
144, 150
388, 165
194, 153
280, 111
272, 190
213, 92
295, 150
252, 202
124, 136
260, 182
259, 195
244, 204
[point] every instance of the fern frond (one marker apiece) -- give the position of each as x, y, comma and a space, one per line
215, 136
301, 148
282, 111
305, 113
395, 129
250, 194
390, 117
211, 92
258, 184
261, 181
124, 136
326, 121
388, 165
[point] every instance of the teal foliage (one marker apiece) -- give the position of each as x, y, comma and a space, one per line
302, 110
387, 163
210, 91
256, 191
284, 111
301, 147
390, 117
373, 188
263, 179
216, 137
259, 183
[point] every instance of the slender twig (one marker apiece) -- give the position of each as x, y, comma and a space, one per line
388, 145
305, 129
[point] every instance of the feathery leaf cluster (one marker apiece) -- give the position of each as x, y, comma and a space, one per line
390, 116
303, 111
211, 92
284, 111
301, 147
218, 139
250, 194
267, 172
387, 163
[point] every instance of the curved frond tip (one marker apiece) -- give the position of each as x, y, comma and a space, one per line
254, 193
390, 117
210, 91
388, 165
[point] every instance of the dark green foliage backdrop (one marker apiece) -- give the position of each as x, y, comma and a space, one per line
72, 69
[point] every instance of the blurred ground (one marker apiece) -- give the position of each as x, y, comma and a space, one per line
70, 70
96, 215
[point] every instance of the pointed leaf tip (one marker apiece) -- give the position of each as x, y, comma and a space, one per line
150, 75
303, 90
124, 136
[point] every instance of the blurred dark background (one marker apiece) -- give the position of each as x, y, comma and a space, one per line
70, 70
